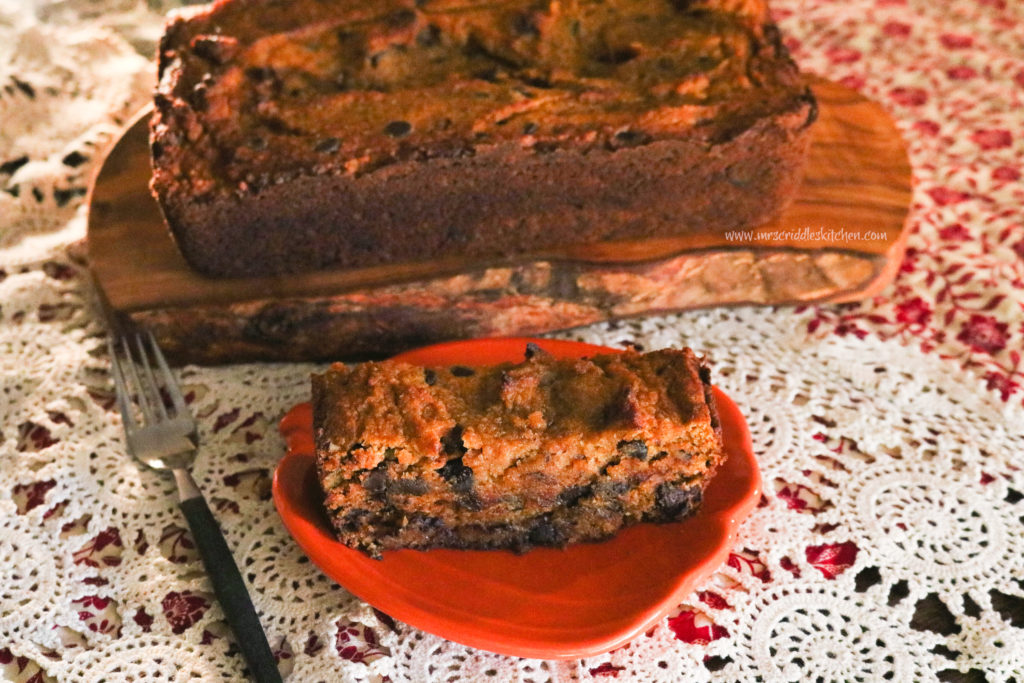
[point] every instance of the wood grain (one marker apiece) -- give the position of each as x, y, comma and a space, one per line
844, 239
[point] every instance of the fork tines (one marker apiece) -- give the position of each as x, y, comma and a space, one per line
143, 379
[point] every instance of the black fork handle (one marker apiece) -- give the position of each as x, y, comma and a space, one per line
227, 581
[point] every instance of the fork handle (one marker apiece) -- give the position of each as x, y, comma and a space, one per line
227, 581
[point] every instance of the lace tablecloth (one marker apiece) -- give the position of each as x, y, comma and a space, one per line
889, 432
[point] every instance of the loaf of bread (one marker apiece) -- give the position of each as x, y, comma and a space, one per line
542, 453
291, 135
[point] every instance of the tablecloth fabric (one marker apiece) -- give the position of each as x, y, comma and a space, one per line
889, 431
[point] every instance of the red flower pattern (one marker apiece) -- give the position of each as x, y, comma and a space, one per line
832, 559
143, 619
691, 626
953, 41
607, 669
992, 138
103, 550
31, 496
183, 609
945, 196
358, 643
176, 545
1006, 173
984, 334
896, 29
914, 311
955, 293
98, 614
748, 562
34, 437
954, 233
909, 97
961, 73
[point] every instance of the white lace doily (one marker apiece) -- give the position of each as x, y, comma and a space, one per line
893, 476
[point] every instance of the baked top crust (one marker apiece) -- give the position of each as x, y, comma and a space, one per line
254, 93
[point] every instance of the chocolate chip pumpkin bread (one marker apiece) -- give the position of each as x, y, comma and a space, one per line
546, 452
298, 134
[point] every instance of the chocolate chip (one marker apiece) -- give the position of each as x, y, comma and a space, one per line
456, 234
258, 144
430, 377
408, 487
462, 371
355, 519
530, 128
458, 476
74, 159
572, 495
327, 146
628, 138
451, 443
632, 449
534, 351
429, 37
705, 374
544, 532
673, 501
216, 49
490, 74
618, 55
611, 489
198, 98
259, 73
524, 25
471, 501
278, 126
376, 482
398, 129
401, 18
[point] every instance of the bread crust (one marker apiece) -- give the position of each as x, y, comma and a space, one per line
504, 150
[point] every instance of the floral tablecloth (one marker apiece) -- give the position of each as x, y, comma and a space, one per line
889, 544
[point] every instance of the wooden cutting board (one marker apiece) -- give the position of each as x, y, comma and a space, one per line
841, 239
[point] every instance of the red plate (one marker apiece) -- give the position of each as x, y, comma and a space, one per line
547, 603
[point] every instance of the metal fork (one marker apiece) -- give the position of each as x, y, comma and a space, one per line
161, 433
